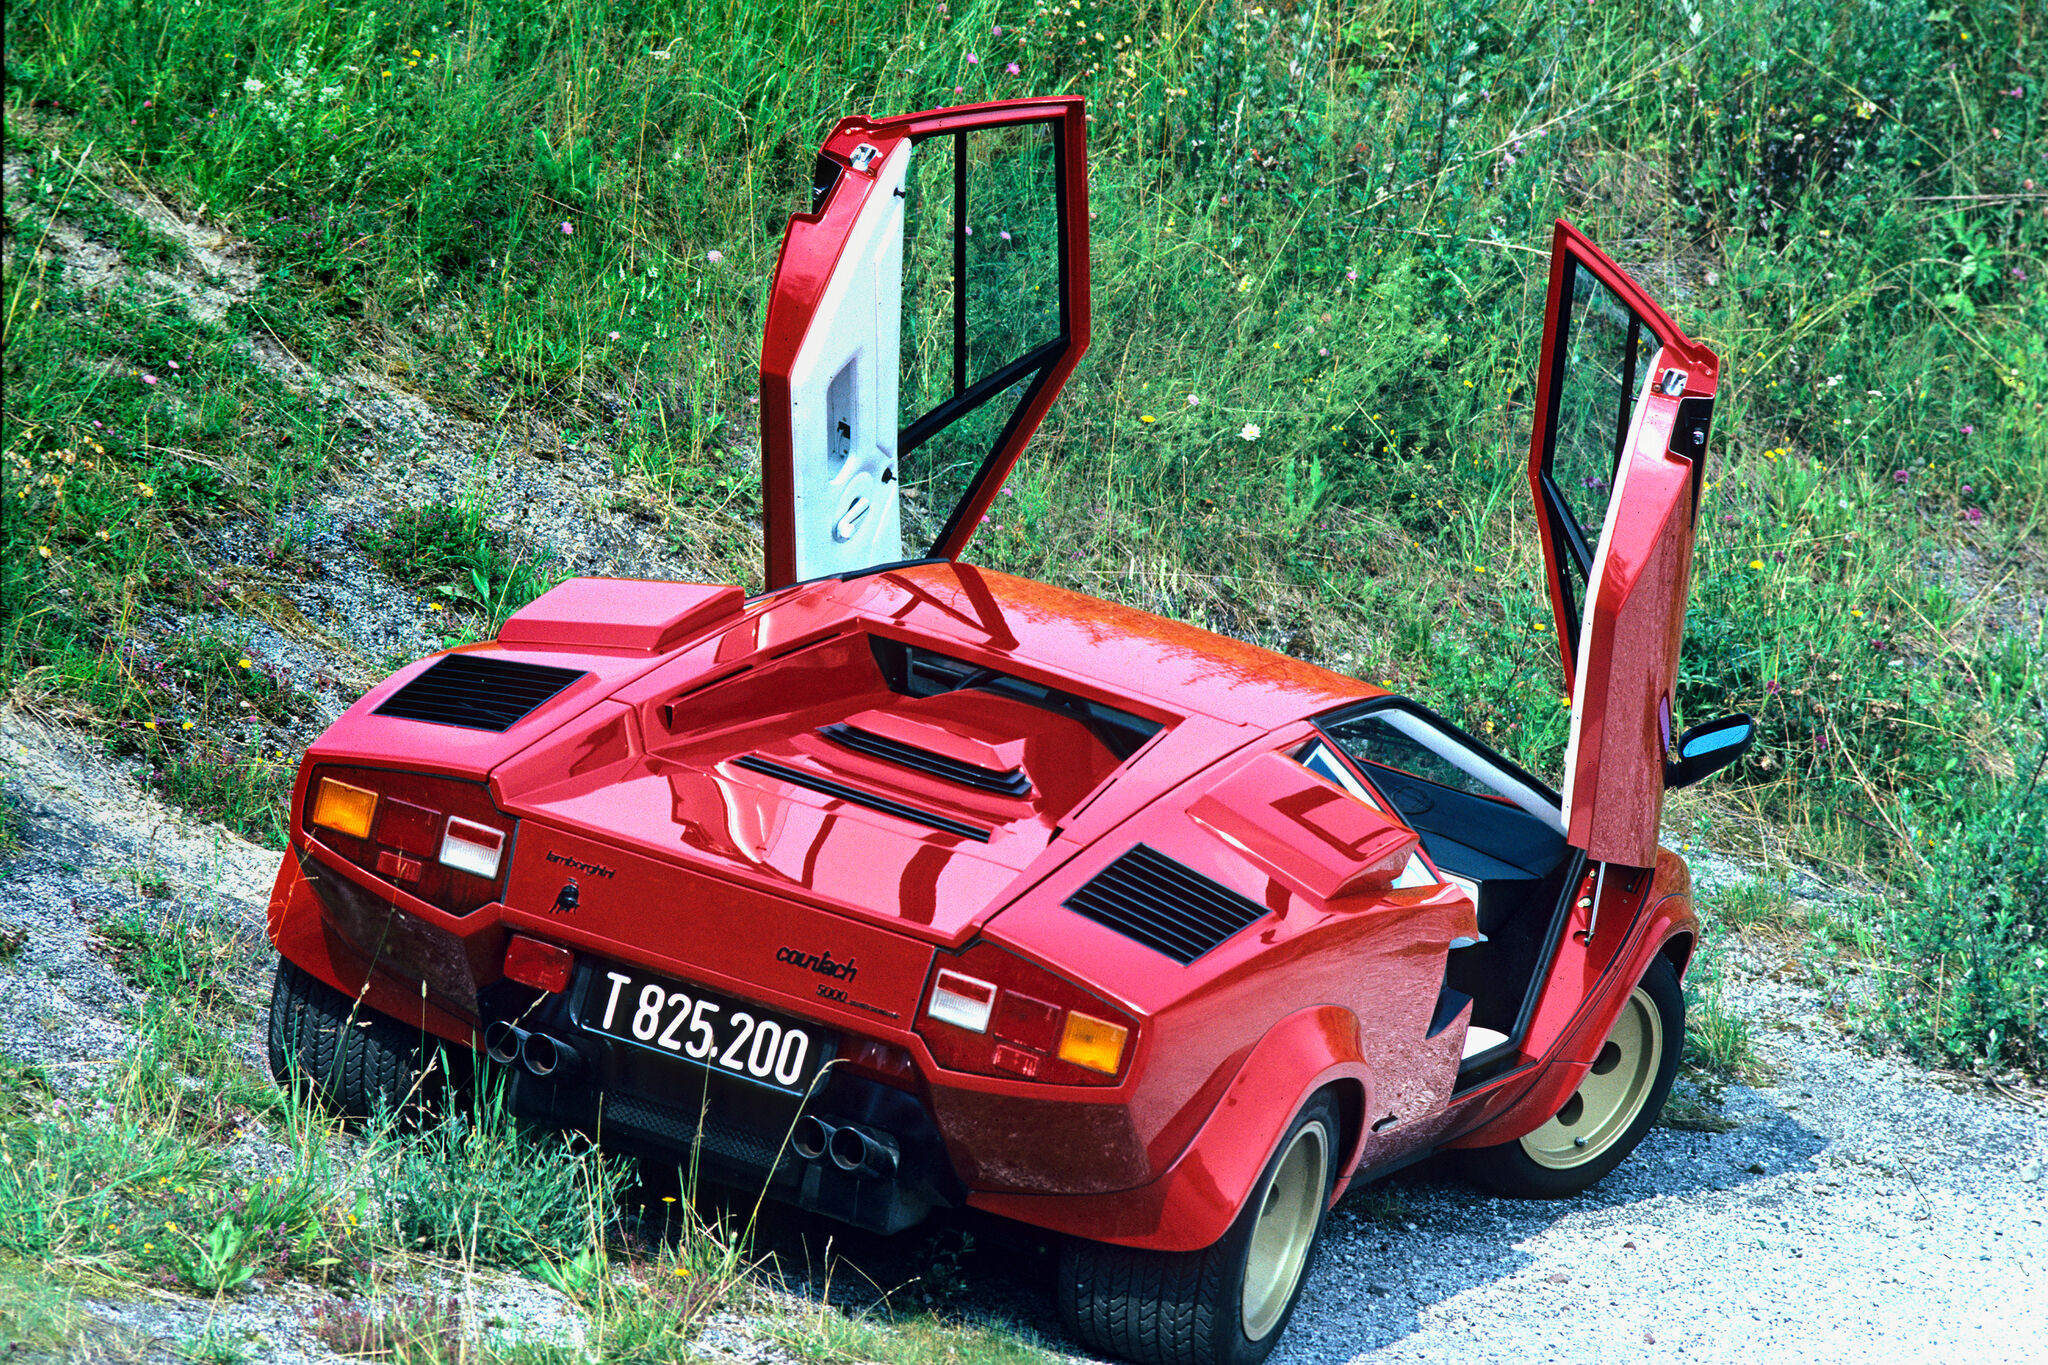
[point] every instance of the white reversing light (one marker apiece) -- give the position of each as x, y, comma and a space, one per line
472, 848
963, 1001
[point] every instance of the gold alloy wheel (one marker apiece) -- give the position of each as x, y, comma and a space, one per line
1607, 1102
1286, 1225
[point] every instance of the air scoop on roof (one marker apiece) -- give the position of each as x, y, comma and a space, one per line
477, 692
1147, 896
1006, 781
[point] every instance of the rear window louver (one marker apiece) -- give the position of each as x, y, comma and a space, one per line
1005, 781
902, 810
1148, 896
477, 692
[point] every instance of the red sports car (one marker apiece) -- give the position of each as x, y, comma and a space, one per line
907, 884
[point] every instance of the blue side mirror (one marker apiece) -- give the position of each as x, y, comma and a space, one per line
1706, 749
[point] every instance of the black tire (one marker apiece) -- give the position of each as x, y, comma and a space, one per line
1189, 1308
355, 1061
1542, 1165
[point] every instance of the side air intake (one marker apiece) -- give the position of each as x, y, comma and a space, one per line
1006, 781
477, 692
1147, 896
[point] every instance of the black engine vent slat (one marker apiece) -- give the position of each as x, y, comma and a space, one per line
902, 810
1172, 909
1003, 781
478, 692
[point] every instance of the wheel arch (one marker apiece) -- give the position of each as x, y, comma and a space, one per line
1193, 1202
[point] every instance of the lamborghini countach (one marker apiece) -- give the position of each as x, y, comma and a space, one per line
906, 885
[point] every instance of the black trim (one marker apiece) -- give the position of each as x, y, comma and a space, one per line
1694, 415
959, 265
902, 810
974, 395
478, 692
1167, 906
1002, 781
1628, 389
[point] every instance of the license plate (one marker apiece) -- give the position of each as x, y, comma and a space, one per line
705, 1027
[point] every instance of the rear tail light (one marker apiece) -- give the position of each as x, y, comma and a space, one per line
962, 1001
344, 808
997, 1014
440, 838
469, 847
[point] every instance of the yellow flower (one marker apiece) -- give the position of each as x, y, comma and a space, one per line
1756, 563
1855, 611
1538, 625
433, 606
186, 726
149, 725
1564, 701
1147, 417
1478, 568
682, 1270
241, 663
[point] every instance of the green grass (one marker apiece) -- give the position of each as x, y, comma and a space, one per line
452, 553
1327, 221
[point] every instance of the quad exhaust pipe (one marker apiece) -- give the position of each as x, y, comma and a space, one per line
860, 1151
541, 1055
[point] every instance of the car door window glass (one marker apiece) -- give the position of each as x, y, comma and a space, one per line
1604, 360
982, 315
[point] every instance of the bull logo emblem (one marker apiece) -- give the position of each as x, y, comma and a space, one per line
566, 899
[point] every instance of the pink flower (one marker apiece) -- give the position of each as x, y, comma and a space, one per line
1194, 400
1322, 350
1004, 234
973, 60
1968, 429
149, 379
1901, 476
969, 231
1973, 515
997, 30
174, 364
714, 256
959, 89
1771, 688
1351, 274
611, 336
1014, 69
98, 425
1966, 487
568, 230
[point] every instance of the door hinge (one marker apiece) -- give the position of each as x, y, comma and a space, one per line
864, 157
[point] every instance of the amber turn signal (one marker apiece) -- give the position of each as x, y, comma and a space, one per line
1094, 1043
343, 808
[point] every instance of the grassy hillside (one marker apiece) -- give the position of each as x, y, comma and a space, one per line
1324, 220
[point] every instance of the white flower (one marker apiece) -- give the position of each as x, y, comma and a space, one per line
1250, 432
253, 86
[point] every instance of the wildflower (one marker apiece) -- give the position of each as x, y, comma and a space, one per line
997, 30
149, 379
433, 606
1250, 431
1324, 350
1538, 625
1901, 476
612, 336
568, 229
1756, 563
43, 550
682, 1270
1195, 401
1351, 274
241, 663
186, 726
1004, 234
1014, 69
1771, 688
149, 725
1856, 612
174, 364
1973, 515
1476, 568
1146, 417
714, 256
1968, 429
973, 60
